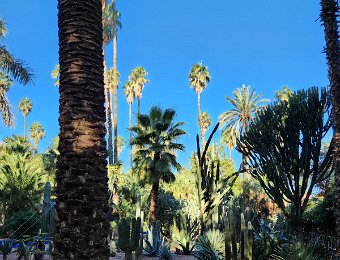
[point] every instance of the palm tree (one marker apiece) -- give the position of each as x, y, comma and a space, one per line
329, 15
25, 106
82, 227
10, 68
130, 96
5, 106
121, 144
245, 104
156, 139
55, 75
206, 122
9, 65
199, 77
37, 132
138, 79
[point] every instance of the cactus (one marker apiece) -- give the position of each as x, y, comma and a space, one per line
139, 250
47, 222
246, 237
129, 235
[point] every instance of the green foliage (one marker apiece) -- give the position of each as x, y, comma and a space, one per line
128, 235
154, 241
210, 189
199, 77
21, 223
283, 144
297, 251
183, 232
210, 246
164, 253
37, 132
6, 248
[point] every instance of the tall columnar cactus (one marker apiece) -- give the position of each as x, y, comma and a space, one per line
139, 250
47, 223
129, 235
246, 237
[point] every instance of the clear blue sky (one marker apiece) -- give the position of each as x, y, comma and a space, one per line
265, 44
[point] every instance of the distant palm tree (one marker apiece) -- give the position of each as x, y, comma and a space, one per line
37, 132
206, 122
5, 106
156, 140
121, 144
130, 96
199, 77
25, 106
138, 79
55, 75
245, 105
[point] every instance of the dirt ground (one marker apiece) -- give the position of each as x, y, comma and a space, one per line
119, 256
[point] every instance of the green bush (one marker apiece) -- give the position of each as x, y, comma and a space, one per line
22, 223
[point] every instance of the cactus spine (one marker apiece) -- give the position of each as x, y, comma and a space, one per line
129, 235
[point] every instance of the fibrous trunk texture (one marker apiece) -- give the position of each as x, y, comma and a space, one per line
82, 227
329, 14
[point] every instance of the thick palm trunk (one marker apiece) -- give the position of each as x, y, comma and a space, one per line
154, 201
115, 112
130, 124
108, 113
329, 14
200, 124
82, 227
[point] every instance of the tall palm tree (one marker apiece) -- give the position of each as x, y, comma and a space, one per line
37, 132
10, 68
25, 106
5, 107
156, 139
199, 77
9, 65
138, 79
245, 104
130, 96
329, 15
206, 122
82, 227
116, 24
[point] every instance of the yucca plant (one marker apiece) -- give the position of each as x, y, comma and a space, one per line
296, 251
210, 246
6, 248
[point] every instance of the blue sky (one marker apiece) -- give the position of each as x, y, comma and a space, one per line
265, 44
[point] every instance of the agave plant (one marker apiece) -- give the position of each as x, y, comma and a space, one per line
6, 248
182, 234
154, 241
210, 246
164, 253
296, 251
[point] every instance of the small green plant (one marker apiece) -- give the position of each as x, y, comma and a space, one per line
23, 251
210, 246
296, 251
6, 248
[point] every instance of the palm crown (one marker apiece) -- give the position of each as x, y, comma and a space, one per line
156, 140
129, 92
138, 79
245, 105
199, 77
25, 106
37, 132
